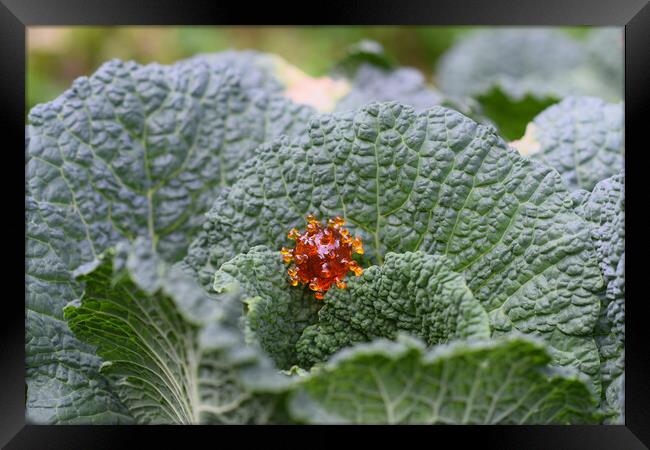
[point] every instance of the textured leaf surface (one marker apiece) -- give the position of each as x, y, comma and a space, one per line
580, 137
612, 363
505, 382
414, 293
516, 73
277, 313
129, 151
64, 386
616, 399
173, 354
436, 182
605, 207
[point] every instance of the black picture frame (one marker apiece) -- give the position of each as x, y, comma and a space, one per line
16, 15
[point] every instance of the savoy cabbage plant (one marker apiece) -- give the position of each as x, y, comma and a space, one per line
158, 199
580, 137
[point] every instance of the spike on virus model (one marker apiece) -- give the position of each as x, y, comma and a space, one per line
322, 256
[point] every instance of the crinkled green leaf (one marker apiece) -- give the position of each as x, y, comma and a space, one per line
277, 313
605, 207
64, 386
172, 353
502, 382
129, 151
580, 137
612, 362
615, 396
414, 293
516, 73
433, 181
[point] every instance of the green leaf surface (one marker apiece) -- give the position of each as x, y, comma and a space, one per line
503, 382
172, 353
605, 207
516, 73
615, 396
580, 137
433, 181
612, 363
64, 386
413, 293
130, 151
277, 313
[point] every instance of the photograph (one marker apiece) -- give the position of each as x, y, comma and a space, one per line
325, 225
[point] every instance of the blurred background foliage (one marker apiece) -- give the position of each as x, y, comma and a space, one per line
58, 55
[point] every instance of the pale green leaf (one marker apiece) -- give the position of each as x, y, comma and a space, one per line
502, 382
173, 354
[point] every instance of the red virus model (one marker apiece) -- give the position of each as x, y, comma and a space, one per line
322, 256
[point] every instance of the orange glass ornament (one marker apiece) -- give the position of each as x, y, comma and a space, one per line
322, 256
